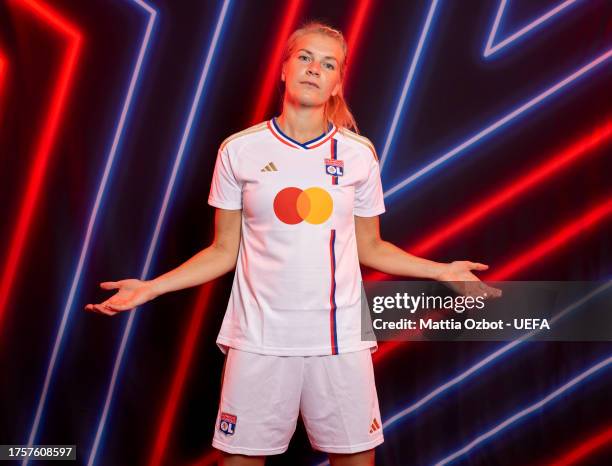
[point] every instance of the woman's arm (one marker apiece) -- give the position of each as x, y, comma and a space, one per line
381, 255
386, 257
210, 263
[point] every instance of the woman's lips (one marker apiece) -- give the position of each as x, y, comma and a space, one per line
310, 84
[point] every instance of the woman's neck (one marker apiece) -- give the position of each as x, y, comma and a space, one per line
302, 126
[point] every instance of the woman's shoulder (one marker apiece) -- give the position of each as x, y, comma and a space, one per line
359, 141
243, 133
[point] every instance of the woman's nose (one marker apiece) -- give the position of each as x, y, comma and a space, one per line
313, 68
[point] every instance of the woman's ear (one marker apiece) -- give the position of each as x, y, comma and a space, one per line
337, 89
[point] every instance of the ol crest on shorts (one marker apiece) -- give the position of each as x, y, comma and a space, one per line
334, 167
227, 423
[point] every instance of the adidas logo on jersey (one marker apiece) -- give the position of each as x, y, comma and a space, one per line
374, 426
270, 167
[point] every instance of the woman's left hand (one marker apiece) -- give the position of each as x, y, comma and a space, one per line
469, 284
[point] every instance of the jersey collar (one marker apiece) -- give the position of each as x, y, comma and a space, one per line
316, 142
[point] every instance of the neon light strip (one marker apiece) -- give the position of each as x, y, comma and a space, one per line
500, 122
353, 36
85, 248
3, 67
42, 154
584, 449
565, 233
158, 226
580, 378
3, 80
399, 109
180, 376
273, 72
490, 49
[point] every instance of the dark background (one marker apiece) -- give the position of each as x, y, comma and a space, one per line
455, 93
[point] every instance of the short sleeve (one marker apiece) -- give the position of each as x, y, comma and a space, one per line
369, 199
225, 190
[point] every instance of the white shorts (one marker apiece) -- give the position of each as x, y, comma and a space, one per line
262, 396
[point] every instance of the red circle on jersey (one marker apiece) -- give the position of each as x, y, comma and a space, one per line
285, 204
292, 205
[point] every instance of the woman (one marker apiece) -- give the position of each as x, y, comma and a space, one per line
298, 199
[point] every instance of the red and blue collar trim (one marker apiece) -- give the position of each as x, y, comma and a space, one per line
316, 142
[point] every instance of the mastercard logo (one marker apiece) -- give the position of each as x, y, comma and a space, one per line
294, 205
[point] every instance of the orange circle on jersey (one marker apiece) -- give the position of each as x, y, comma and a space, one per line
292, 205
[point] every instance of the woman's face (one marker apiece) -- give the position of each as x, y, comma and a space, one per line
315, 59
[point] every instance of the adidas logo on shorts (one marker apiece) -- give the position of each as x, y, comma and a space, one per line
374, 426
270, 167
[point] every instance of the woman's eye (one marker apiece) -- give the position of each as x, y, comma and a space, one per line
328, 65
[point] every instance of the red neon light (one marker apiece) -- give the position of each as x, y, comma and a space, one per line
180, 375
273, 74
556, 240
2, 72
43, 149
354, 35
584, 449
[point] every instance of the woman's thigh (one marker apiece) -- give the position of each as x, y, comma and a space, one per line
259, 403
339, 403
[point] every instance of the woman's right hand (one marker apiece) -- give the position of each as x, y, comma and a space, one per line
132, 293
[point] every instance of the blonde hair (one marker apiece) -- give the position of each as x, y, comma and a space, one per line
336, 109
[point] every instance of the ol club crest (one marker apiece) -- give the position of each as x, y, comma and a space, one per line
334, 167
227, 423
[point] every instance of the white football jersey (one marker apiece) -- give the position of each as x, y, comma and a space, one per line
297, 284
